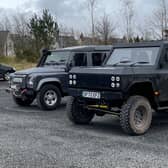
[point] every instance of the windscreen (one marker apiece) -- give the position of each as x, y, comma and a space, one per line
57, 58
133, 56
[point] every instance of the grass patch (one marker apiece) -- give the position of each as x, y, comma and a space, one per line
18, 64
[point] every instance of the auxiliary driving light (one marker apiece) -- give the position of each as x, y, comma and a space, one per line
74, 76
70, 76
118, 79
70, 82
74, 82
113, 78
113, 85
118, 85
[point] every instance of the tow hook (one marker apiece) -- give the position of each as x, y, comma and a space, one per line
23, 91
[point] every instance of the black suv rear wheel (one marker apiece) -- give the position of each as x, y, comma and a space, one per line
49, 97
21, 102
136, 115
77, 114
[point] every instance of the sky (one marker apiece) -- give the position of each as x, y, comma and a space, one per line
74, 13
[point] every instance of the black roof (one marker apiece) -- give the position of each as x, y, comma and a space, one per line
86, 48
141, 44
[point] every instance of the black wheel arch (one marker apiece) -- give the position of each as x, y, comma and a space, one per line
143, 88
51, 81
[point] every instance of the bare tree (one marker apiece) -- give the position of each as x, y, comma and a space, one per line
5, 23
21, 36
92, 6
158, 22
20, 25
105, 28
144, 31
128, 15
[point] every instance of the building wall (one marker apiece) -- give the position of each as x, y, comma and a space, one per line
6, 44
10, 46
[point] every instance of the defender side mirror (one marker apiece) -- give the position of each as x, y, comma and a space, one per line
69, 66
46, 52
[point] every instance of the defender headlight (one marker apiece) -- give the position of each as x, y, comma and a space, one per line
70, 76
70, 82
31, 81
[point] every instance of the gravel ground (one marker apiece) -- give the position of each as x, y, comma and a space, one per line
33, 138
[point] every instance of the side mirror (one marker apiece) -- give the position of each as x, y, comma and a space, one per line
46, 52
69, 66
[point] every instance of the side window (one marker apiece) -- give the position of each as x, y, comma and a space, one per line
165, 60
80, 59
98, 58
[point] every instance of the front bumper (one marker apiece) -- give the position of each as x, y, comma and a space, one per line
21, 92
105, 95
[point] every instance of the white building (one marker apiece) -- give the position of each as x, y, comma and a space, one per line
6, 44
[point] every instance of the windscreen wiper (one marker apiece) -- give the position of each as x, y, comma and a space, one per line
139, 62
52, 63
122, 62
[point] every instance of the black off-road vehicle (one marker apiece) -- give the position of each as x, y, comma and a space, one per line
132, 83
5, 71
48, 82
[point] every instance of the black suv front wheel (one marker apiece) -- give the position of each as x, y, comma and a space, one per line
49, 97
136, 115
77, 114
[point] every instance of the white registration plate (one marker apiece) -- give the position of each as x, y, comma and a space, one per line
17, 80
92, 95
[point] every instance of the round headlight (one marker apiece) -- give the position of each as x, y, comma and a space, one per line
70, 82
70, 76
74, 76
113, 78
31, 81
74, 82
118, 79
113, 85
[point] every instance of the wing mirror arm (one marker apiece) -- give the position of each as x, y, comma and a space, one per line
69, 65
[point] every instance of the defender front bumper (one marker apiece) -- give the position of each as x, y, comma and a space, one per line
20, 93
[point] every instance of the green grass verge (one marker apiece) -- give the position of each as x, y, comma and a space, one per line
18, 64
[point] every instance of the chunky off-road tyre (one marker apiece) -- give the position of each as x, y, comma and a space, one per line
136, 116
22, 102
77, 114
49, 97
